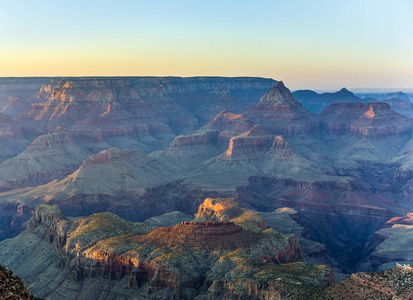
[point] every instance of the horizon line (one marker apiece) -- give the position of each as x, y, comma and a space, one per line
410, 89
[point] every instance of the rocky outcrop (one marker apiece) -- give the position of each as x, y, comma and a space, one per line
374, 120
390, 245
225, 209
200, 138
228, 125
279, 113
46, 216
200, 236
12, 287
408, 220
228, 121
395, 284
251, 145
105, 248
260, 288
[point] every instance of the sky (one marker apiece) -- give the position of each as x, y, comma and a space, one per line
318, 44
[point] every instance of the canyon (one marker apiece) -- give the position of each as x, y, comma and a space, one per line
331, 171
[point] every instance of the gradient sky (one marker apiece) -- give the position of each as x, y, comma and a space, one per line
319, 44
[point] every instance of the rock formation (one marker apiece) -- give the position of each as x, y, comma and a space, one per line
49, 157
390, 245
279, 113
364, 120
16, 94
395, 283
12, 287
401, 106
345, 172
103, 248
200, 236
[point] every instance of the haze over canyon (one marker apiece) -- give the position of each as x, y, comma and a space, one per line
204, 188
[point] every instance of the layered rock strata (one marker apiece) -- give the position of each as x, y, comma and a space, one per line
135, 263
279, 113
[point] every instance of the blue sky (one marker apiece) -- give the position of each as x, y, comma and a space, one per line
308, 44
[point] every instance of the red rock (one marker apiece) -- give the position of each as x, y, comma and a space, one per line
200, 236
408, 220
95, 109
376, 120
228, 121
250, 145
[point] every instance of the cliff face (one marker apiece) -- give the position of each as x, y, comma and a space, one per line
49, 157
94, 110
11, 138
390, 245
251, 145
279, 113
16, 94
344, 230
346, 172
100, 108
364, 120
182, 261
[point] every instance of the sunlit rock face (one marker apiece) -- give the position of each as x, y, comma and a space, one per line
94, 109
250, 145
135, 112
144, 147
184, 261
375, 120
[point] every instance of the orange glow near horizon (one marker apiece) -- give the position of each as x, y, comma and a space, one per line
318, 46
